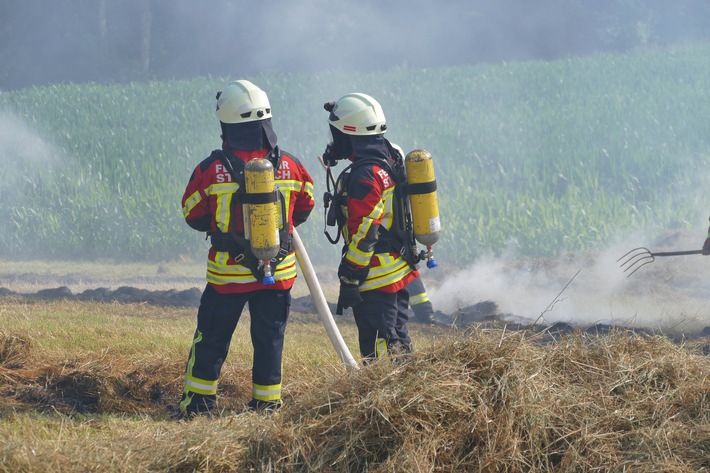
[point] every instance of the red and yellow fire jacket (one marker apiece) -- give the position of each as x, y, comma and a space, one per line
370, 205
207, 206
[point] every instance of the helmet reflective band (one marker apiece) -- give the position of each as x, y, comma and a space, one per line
358, 114
241, 102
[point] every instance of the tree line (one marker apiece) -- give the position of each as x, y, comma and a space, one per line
49, 41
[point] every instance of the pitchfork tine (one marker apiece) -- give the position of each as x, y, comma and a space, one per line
648, 258
636, 259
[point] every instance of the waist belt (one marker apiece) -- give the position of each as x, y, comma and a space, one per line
393, 245
224, 242
387, 245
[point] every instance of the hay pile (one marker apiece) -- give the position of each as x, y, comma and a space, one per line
487, 400
501, 402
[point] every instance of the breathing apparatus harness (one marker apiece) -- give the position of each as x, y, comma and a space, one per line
399, 238
237, 245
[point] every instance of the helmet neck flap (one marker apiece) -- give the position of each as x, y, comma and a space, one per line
369, 146
248, 136
356, 146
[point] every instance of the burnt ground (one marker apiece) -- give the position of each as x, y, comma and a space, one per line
483, 312
587, 292
94, 388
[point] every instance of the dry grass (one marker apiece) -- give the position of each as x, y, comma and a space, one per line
85, 387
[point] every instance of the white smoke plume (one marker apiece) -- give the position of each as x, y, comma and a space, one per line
669, 294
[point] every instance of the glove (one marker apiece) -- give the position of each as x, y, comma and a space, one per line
349, 296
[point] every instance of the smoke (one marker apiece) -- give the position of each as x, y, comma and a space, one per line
315, 35
86, 42
668, 294
585, 288
19, 144
22, 152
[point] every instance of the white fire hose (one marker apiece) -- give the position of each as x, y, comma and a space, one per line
321, 304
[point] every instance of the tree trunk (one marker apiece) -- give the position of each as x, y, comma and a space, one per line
145, 19
103, 29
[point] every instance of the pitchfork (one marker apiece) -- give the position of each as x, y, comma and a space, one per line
641, 256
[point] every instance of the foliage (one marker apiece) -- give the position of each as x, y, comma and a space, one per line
538, 157
111, 41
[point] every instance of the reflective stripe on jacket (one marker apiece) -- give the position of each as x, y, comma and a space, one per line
207, 206
370, 205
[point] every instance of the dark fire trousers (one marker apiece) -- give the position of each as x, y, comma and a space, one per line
381, 320
217, 319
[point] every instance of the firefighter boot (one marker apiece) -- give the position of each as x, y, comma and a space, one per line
193, 404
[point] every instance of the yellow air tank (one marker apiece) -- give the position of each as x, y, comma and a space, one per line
421, 187
261, 219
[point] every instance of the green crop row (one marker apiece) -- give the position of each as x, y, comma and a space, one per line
541, 157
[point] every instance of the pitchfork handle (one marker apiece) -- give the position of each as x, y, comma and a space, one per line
678, 253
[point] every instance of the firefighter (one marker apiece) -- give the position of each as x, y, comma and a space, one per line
373, 274
419, 303
706, 245
214, 202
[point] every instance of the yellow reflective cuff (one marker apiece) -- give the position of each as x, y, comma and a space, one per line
193, 384
200, 386
266, 393
418, 299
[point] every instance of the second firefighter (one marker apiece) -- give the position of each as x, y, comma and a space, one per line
373, 273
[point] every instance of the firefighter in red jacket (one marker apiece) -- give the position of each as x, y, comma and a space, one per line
373, 274
213, 203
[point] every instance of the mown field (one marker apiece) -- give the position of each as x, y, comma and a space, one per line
533, 159
86, 387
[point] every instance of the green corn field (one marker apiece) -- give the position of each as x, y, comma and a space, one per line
537, 158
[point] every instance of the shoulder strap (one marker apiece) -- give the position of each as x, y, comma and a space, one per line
400, 237
235, 167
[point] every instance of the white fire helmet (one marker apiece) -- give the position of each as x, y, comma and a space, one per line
357, 114
241, 102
